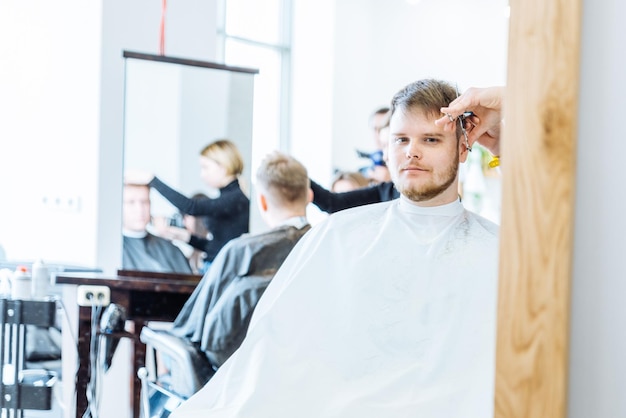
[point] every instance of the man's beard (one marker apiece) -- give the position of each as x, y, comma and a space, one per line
432, 189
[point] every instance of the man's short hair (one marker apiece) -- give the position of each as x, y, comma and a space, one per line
379, 111
428, 95
284, 178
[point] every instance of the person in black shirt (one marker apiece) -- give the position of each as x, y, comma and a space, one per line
377, 171
333, 202
227, 215
344, 181
382, 191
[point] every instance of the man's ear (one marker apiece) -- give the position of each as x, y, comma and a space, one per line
463, 151
310, 195
262, 202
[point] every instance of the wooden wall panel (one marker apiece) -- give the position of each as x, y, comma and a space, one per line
538, 163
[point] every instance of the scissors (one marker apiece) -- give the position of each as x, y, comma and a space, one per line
495, 160
461, 118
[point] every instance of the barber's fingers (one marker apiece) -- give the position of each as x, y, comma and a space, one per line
485, 135
478, 132
463, 103
451, 112
447, 122
475, 130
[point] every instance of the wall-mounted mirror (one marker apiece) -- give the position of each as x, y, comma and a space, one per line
173, 108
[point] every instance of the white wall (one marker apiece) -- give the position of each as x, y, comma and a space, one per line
598, 342
61, 110
381, 46
312, 85
351, 56
49, 127
61, 126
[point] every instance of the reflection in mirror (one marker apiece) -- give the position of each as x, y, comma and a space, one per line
173, 109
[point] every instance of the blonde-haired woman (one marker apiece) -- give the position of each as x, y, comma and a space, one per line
227, 216
345, 181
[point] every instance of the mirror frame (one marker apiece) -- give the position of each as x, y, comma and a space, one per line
234, 99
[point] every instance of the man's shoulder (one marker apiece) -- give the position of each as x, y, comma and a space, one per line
164, 244
266, 237
280, 233
159, 240
488, 226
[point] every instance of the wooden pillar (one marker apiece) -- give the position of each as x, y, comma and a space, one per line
538, 162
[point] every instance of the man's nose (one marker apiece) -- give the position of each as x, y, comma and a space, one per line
413, 150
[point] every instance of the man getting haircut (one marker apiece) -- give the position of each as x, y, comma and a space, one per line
384, 310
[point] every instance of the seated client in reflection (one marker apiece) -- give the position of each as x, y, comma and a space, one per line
216, 316
142, 250
227, 215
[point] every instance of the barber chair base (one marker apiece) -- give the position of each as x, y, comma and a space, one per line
161, 402
188, 366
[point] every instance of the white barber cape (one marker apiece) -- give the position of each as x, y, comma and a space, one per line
385, 310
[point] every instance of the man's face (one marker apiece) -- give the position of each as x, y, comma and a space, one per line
423, 159
136, 208
376, 124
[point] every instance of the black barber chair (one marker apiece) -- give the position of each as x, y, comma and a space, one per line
189, 367
189, 370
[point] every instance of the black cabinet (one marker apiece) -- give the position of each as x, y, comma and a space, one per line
22, 388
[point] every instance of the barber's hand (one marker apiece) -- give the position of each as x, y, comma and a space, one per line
485, 124
137, 176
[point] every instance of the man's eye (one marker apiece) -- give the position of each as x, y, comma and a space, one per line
431, 140
401, 140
